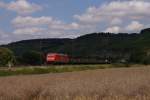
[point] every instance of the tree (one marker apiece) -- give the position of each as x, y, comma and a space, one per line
32, 58
146, 60
6, 57
139, 56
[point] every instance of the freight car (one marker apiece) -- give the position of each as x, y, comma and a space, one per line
88, 60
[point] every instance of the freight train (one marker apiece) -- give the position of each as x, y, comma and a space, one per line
57, 58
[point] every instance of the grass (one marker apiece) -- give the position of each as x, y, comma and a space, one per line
101, 84
51, 69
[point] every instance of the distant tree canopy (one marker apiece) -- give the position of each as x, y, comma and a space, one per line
32, 58
116, 47
6, 57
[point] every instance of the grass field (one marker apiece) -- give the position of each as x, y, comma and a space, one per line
100, 84
27, 70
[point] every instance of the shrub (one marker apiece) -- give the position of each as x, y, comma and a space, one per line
32, 58
6, 57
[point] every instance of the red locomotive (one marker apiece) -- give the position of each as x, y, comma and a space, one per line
57, 58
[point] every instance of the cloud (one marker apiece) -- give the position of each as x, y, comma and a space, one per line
59, 25
22, 7
120, 9
29, 31
51, 23
37, 32
116, 21
42, 27
134, 25
114, 29
3, 34
89, 16
28, 21
131, 27
115, 16
116, 13
4, 37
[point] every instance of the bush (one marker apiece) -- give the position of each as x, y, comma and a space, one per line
138, 57
146, 60
32, 58
6, 57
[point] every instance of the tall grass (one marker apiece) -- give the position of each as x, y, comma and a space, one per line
102, 84
50, 69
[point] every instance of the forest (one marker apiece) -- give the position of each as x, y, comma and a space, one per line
117, 48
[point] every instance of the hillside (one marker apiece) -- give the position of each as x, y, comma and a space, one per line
44, 45
102, 45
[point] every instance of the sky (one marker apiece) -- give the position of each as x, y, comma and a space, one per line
31, 19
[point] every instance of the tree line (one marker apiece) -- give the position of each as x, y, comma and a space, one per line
8, 59
117, 48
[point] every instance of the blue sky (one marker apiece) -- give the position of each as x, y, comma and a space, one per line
30, 19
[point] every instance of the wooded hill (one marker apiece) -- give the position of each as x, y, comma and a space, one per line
116, 47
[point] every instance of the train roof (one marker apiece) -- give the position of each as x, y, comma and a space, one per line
57, 54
